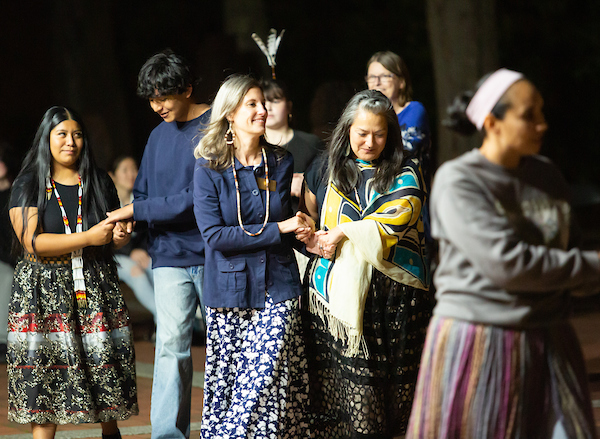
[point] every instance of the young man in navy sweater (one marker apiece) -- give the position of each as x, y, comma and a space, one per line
163, 198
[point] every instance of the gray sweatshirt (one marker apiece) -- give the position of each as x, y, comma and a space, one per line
503, 241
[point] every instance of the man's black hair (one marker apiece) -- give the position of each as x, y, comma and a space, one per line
165, 73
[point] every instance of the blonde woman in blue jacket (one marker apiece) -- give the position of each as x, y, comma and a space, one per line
255, 382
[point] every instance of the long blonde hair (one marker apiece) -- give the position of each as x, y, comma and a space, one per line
213, 147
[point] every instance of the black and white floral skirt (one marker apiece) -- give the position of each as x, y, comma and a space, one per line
69, 364
256, 382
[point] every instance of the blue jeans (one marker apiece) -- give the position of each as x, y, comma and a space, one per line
178, 291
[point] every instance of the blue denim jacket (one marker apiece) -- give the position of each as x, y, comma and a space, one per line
238, 268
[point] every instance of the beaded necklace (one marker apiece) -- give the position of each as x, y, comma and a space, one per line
76, 255
237, 195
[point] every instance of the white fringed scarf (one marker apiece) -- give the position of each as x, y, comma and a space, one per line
374, 239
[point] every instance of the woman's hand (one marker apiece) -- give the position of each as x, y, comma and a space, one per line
307, 233
328, 241
294, 224
101, 233
120, 235
125, 213
312, 245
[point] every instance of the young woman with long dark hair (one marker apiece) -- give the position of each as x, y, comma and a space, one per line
70, 348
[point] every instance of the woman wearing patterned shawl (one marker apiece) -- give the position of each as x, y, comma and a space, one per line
367, 296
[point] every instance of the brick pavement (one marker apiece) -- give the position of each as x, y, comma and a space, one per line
137, 427
587, 325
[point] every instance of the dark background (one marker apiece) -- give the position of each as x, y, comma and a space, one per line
87, 55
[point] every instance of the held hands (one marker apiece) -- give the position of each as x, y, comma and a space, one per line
296, 224
125, 215
120, 234
324, 243
101, 233
305, 234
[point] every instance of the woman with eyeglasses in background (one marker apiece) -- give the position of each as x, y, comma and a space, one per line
388, 73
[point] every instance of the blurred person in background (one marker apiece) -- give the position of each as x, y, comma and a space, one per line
135, 264
7, 261
501, 358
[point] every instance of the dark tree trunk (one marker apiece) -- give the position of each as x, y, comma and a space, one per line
464, 46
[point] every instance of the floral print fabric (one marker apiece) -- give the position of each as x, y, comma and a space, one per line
256, 378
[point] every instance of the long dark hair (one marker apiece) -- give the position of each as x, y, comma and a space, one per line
38, 164
342, 169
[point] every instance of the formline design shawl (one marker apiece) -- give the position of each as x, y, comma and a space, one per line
387, 235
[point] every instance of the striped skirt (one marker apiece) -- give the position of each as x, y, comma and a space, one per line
481, 381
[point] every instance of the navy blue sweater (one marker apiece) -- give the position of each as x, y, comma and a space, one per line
163, 194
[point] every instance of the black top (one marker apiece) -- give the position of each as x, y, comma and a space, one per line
304, 148
314, 176
52, 217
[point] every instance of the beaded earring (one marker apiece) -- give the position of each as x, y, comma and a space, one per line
229, 136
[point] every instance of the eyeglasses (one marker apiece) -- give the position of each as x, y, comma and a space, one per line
373, 79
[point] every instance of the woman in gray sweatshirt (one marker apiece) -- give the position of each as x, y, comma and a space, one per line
501, 359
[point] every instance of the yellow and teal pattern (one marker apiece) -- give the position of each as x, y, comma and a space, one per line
397, 213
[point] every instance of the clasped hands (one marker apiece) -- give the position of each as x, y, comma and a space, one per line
319, 242
123, 220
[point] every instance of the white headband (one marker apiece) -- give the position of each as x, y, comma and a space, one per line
489, 93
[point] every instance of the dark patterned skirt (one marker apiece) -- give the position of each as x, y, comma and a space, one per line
68, 364
354, 397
